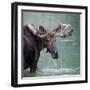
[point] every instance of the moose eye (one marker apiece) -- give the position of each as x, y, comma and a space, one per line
48, 40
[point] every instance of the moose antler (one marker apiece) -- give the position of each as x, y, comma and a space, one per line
40, 33
32, 29
63, 30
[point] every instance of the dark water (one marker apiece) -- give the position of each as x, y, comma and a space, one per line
68, 62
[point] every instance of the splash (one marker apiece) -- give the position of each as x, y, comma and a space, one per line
60, 71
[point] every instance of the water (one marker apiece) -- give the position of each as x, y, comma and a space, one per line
68, 62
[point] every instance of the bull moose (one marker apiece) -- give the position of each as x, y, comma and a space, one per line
34, 40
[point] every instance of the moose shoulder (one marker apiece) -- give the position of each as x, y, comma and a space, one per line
34, 40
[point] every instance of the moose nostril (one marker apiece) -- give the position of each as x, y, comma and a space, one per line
56, 55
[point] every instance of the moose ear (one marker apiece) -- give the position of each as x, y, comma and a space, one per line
57, 29
42, 30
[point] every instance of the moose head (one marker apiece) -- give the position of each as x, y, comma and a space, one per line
48, 37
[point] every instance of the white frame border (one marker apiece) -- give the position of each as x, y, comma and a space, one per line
82, 48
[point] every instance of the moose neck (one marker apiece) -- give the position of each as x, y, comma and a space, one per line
39, 41
40, 44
